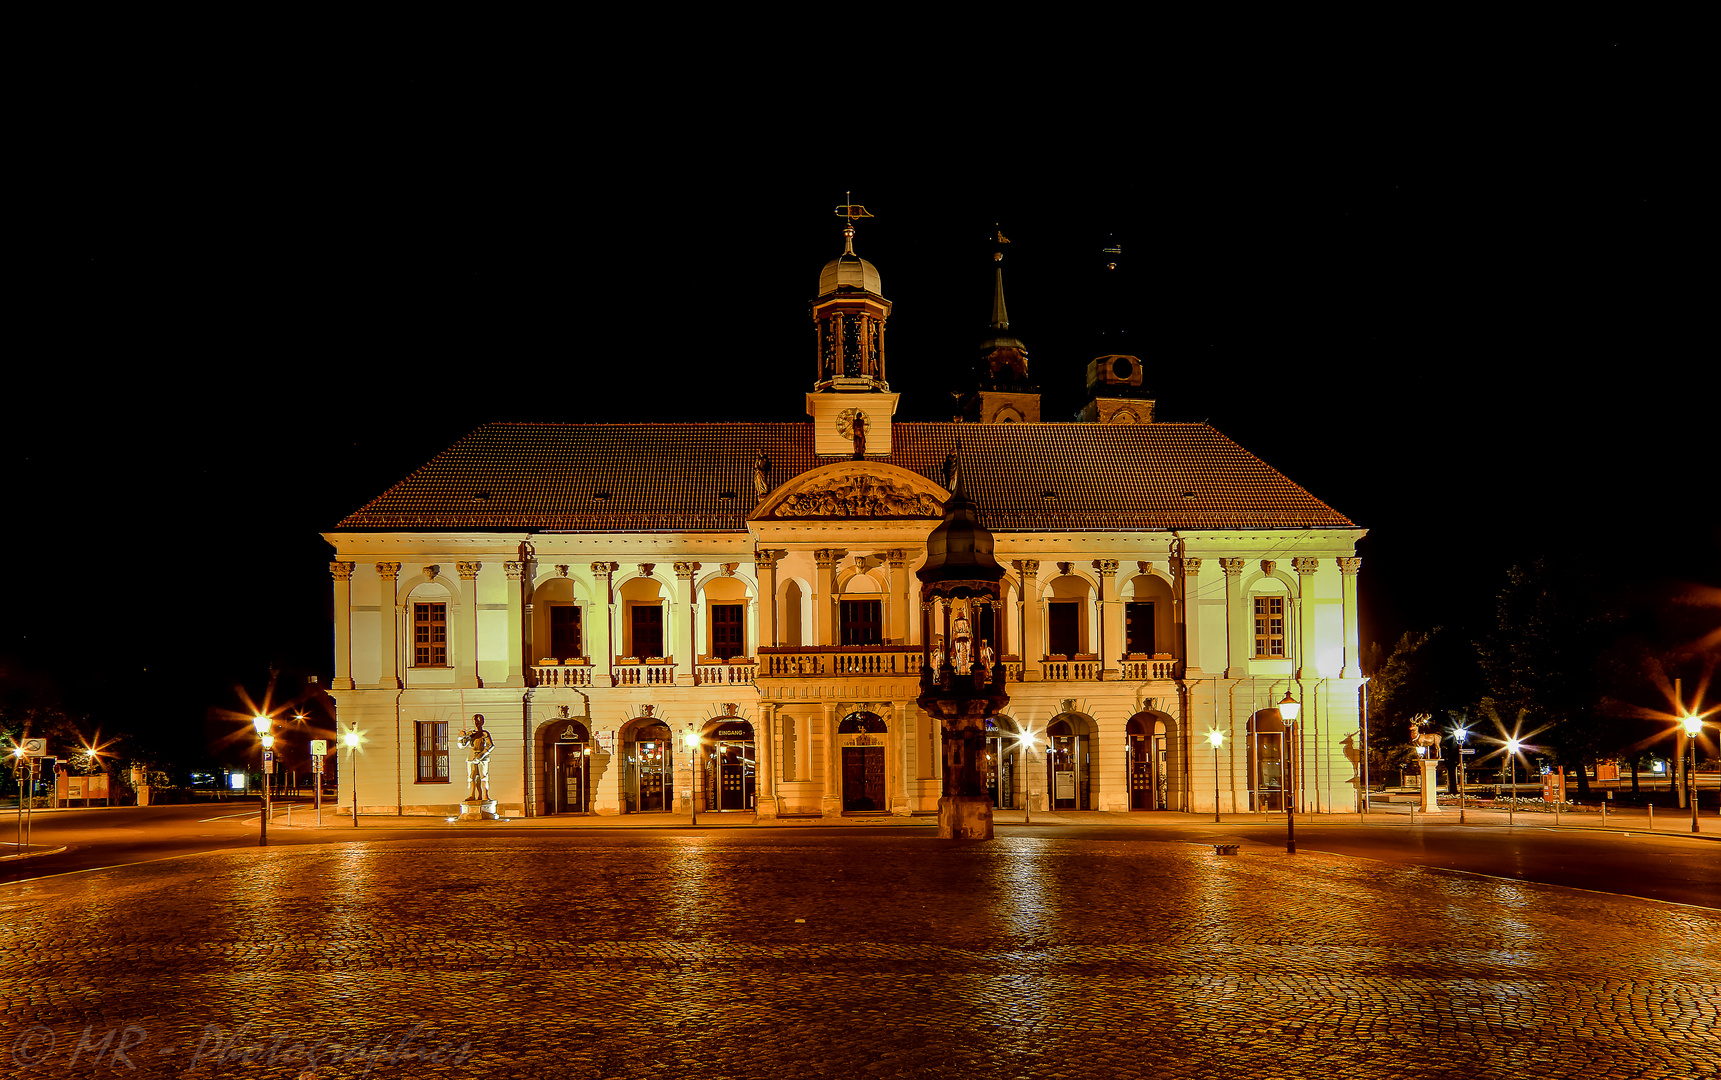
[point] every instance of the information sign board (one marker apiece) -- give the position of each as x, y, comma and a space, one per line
319, 748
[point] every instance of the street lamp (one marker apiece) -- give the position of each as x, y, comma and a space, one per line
1459, 735
1288, 710
1216, 738
1026, 743
691, 738
1512, 748
1693, 725
261, 723
351, 738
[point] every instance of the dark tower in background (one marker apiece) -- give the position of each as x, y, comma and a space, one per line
1003, 392
1116, 383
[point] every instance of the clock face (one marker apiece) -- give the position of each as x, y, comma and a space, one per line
846, 421
1120, 368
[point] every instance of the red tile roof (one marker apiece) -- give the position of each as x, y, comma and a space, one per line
699, 477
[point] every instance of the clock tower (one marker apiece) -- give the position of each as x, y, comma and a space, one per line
851, 403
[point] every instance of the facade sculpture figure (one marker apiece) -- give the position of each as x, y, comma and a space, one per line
478, 745
761, 474
937, 653
986, 654
962, 651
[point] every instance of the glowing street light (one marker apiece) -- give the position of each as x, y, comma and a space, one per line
1288, 709
1217, 738
1693, 727
267, 740
1512, 748
351, 738
691, 738
1026, 743
1459, 735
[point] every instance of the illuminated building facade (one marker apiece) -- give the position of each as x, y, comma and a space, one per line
599, 591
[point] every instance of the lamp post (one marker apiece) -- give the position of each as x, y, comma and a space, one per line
1459, 734
1216, 738
692, 741
1693, 725
351, 738
1511, 809
1026, 743
261, 723
1288, 710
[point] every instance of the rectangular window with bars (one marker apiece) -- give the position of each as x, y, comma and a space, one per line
1270, 627
863, 623
726, 630
432, 752
430, 635
647, 630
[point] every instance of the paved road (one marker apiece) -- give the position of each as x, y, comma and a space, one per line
857, 954
1664, 867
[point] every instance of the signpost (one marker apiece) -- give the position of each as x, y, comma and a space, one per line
319, 749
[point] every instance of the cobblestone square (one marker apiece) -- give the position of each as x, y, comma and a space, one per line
855, 955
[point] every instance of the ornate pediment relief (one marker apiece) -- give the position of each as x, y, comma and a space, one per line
856, 490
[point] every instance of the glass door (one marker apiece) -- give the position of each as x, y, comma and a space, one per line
1269, 775
1068, 777
1140, 774
572, 779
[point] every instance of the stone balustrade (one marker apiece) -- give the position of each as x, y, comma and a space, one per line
789, 662
1148, 670
561, 675
736, 672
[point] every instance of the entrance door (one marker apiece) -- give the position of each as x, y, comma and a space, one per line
1161, 800
1140, 774
863, 779
1000, 772
1269, 771
572, 779
733, 766
649, 763
1068, 772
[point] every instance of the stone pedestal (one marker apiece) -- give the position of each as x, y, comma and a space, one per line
1430, 802
965, 817
478, 810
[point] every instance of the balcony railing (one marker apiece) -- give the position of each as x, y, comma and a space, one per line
652, 671
561, 675
790, 662
1146, 670
1082, 669
736, 671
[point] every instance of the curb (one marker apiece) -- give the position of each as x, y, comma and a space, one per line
32, 854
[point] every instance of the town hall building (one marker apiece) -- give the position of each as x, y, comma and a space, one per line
660, 617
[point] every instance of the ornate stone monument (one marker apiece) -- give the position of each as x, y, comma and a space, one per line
478, 744
959, 577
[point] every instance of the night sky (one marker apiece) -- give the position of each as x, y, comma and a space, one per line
1454, 297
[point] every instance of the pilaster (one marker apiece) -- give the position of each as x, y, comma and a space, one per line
466, 663
516, 628
685, 637
900, 623
1236, 620
825, 603
765, 785
765, 567
389, 606
1348, 569
603, 641
1190, 579
1308, 665
342, 573
831, 798
1110, 646
901, 728
1032, 647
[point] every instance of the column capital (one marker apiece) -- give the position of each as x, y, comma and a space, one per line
1106, 567
686, 570
897, 558
765, 560
1232, 567
1349, 566
341, 571
605, 569
826, 558
1191, 567
388, 569
1029, 567
513, 570
1305, 567
468, 570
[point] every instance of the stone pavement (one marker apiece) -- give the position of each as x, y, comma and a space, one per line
860, 954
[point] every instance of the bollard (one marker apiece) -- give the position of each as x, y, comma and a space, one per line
1604, 815
1651, 817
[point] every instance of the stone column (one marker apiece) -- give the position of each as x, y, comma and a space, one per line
603, 606
466, 665
765, 780
1032, 647
1191, 581
1308, 664
1237, 618
831, 801
685, 636
901, 625
899, 727
1110, 647
516, 628
342, 572
765, 567
388, 604
1348, 569
825, 603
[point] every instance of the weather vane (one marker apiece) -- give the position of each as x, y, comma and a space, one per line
998, 256
851, 212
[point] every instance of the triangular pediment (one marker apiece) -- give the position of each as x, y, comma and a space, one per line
850, 490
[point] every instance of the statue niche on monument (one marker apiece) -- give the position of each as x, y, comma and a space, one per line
961, 653
478, 745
